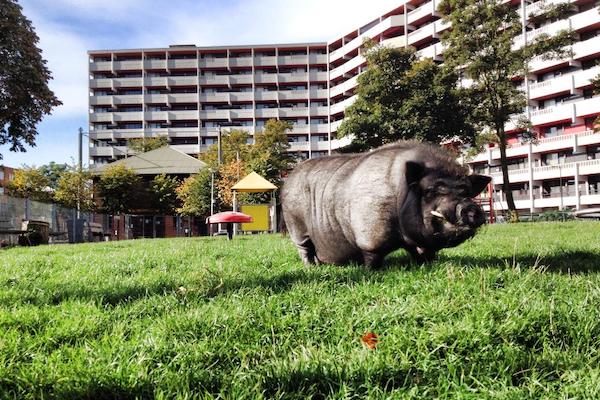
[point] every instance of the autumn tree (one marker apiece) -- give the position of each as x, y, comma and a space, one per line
230, 174
486, 44
163, 194
400, 97
269, 156
120, 189
24, 94
195, 194
142, 145
234, 146
75, 189
30, 182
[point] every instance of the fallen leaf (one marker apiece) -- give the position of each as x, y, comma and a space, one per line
370, 340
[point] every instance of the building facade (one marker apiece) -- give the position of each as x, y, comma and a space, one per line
188, 93
7, 174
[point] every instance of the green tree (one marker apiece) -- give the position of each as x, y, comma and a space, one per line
74, 189
24, 94
484, 43
269, 155
30, 182
120, 189
194, 194
400, 97
234, 145
163, 194
54, 171
142, 145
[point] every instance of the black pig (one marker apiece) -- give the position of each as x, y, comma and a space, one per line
360, 207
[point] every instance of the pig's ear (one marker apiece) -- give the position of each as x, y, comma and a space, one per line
414, 172
478, 183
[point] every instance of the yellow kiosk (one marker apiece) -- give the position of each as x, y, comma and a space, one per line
264, 215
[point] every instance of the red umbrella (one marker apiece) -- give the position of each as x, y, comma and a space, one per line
229, 217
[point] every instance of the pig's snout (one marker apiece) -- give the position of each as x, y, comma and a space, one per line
470, 214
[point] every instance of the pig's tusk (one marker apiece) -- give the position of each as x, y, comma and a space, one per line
437, 214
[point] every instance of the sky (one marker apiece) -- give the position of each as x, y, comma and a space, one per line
69, 28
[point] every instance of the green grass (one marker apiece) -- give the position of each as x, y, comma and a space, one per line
513, 313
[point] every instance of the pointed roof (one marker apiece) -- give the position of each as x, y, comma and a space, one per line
254, 183
165, 160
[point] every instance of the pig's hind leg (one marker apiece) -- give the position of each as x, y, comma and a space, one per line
299, 235
307, 252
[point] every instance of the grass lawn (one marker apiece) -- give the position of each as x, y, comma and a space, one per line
513, 313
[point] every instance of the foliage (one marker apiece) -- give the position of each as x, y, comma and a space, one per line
194, 194
234, 145
229, 175
30, 182
269, 155
163, 194
142, 145
75, 189
510, 314
402, 98
53, 171
120, 189
24, 94
484, 44
555, 215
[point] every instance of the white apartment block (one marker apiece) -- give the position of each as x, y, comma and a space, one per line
187, 92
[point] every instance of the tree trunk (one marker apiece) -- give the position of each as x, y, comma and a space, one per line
512, 209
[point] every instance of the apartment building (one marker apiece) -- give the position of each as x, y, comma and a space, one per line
7, 174
188, 93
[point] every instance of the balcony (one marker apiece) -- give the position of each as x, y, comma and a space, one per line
214, 63
101, 83
267, 113
434, 52
319, 111
240, 79
242, 114
423, 33
293, 94
317, 59
215, 114
101, 117
155, 64
423, 11
214, 97
590, 167
388, 23
344, 87
127, 82
240, 96
342, 105
160, 81
345, 68
293, 78
265, 78
128, 116
101, 101
156, 115
266, 96
180, 115
182, 81
101, 66
264, 61
214, 80
187, 148
182, 98
127, 99
293, 60
184, 63
127, 65
295, 112
240, 62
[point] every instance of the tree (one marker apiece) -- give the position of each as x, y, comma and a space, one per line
482, 43
120, 189
142, 145
53, 171
24, 94
400, 97
163, 194
229, 175
75, 189
234, 145
269, 155
30, 182
194, 194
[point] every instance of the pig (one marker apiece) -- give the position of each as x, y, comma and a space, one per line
357, 208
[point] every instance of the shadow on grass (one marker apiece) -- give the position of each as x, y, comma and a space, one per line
567, 262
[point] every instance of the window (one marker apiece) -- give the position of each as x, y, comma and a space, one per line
1, 190
1, 175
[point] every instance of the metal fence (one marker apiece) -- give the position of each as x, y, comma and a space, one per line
67, 225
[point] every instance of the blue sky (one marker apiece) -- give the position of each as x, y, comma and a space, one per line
69, 28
